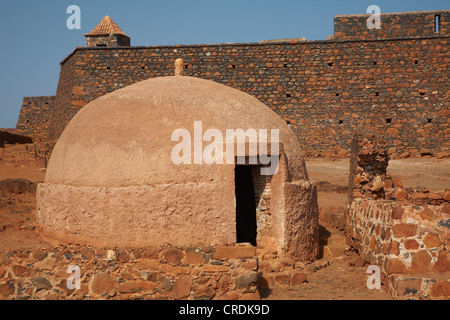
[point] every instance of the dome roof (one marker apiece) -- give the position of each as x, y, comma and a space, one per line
124, 138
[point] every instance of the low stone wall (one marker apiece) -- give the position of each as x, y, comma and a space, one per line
12, 138
402, 230
162, 273
407, 241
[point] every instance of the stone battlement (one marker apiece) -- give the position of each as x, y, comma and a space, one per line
390, 82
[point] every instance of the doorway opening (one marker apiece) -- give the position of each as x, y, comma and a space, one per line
246, 227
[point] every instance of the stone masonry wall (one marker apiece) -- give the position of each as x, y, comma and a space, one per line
34, 117
262, 188
403, 231
406, 241
166, 273
392, 25
324, 90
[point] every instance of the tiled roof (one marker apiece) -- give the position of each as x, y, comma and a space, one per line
105, 27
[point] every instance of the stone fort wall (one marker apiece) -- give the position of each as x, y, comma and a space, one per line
34, 117
393, 84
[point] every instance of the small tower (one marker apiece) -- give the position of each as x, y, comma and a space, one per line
107, 34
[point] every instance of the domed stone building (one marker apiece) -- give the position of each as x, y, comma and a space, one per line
119, 177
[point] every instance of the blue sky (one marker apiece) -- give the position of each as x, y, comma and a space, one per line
34, 37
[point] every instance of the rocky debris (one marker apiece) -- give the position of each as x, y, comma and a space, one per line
17, 186
368, 175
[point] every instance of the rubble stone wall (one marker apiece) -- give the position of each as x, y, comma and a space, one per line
324, 90
34, 117
203, 272
392, 25
405, 232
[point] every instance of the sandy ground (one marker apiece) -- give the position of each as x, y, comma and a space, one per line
342, 278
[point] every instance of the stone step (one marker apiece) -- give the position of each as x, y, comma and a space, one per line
334, 250
336, 239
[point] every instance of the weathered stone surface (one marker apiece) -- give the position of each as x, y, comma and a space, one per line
182, 288
395, 266
41, 283
404, 230
149, 253
173, 255
136, 286
17, 186
411, 244
441, 289
103, 283
21, 271
442, 264
427, 214
298, 278
245, 281
6, 290
409, 287
397, 212
420, 262
234, 252
204, 293
431, 240
194, 256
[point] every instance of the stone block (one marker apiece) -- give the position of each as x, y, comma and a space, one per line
182, 288
136, 286
404, 230
420, 262
103, 283
234, 252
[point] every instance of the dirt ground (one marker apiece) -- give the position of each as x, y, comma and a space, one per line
341, 277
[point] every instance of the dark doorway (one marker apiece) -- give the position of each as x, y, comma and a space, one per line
245, 205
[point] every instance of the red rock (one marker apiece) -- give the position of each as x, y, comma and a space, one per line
147, 264
282, 279
21, 271
234, 252
434, 196
404, 230
6, 290
411, 244
401, 195
150, 253
388, 184
420, 262
181, 288
432, 240
419, 196
103, 283
397, 212
446, 195
136, 286
441, 264
298, 278
442, 154
395, 266
407, 287
394, 248
251, 296
204, 293
213, 268
441, 289
173, 255
194, 256
427, 214
397, 183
